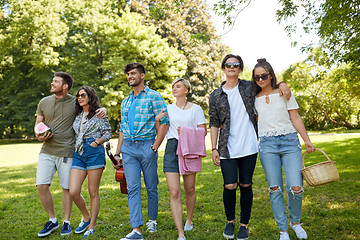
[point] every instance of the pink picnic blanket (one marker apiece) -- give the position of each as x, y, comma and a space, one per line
191, 149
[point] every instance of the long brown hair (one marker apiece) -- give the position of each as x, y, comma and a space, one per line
266, 65
94, 102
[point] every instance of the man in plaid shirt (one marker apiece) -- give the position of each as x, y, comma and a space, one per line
138, 143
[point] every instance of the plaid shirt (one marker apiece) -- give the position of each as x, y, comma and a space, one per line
149, 104
94, 127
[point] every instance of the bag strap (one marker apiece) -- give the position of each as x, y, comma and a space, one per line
303, 157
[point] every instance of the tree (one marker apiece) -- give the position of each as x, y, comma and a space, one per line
328, 96
131, 41
188, 27
91, 40
29, 36
336, 22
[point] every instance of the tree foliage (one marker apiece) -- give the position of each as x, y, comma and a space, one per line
132, 41
328, 96
188, 27
92, 40
336, 22
30, 35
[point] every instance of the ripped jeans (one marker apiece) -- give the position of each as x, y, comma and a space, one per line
277, 152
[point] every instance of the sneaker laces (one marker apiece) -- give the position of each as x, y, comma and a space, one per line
66, 225
151, 224
88, 232
81, 223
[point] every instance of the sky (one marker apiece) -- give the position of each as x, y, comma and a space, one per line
256, 34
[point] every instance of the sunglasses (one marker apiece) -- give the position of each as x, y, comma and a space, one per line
83, 95
263, 77
236, 65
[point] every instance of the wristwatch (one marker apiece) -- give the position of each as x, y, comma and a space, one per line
154, 150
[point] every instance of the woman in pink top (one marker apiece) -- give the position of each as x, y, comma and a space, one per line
187, 114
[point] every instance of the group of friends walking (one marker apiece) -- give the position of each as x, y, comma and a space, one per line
245, 118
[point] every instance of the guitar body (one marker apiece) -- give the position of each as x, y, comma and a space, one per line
119, 175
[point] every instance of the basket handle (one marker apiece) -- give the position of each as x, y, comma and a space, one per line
303, 157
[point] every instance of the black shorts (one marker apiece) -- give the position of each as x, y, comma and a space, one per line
171, 163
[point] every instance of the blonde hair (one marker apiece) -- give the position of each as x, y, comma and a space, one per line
184, 81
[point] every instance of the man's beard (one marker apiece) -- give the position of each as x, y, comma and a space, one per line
57, 91
135, 84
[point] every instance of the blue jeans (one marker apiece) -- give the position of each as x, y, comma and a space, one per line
138, 156
279, 152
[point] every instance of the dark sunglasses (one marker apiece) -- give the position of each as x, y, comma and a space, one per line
83, 95
263, 77
236, 65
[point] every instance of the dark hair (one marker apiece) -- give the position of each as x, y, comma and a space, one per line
67, 78
94, 102
264, 64
132, 66
232, 56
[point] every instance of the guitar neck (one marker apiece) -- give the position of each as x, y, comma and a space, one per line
108, 151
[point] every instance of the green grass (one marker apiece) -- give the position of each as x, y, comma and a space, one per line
329, 212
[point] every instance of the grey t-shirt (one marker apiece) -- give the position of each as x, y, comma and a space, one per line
59, 115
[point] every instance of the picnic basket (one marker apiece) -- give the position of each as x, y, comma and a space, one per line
320, 173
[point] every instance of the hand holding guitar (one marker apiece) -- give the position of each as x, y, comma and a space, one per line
117, 164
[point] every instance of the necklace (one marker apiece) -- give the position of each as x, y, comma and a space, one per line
183, 106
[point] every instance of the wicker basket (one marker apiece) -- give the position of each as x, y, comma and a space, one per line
320, 173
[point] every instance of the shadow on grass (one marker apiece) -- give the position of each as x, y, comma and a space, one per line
329, 212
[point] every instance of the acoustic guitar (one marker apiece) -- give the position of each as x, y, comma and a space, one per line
119, 175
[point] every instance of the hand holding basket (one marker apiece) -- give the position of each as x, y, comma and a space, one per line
320, 173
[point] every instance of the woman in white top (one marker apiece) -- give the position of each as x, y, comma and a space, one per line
187, 114
278, 123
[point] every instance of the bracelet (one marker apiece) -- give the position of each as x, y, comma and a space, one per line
116, 155
154, 150
96, 143
213, 149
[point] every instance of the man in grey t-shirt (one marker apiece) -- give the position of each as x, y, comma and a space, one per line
58, 113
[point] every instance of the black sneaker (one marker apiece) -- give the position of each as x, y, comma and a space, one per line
48, 228
243, 233
229, 230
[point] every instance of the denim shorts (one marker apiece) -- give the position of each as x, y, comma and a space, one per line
92, 157
171, 163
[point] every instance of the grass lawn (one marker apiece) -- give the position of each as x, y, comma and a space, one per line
329, 212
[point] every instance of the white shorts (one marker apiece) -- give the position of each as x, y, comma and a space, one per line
48, 165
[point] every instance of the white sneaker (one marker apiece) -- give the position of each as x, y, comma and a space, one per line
188, 227
284, 236
134, 235
151, 226
300, 232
